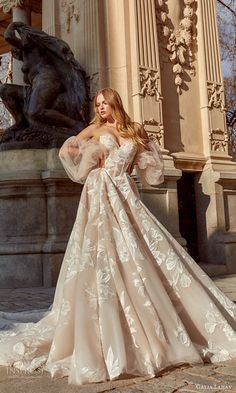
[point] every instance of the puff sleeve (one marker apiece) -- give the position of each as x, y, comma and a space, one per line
79, 157
149, 165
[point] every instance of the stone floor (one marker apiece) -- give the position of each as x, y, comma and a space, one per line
227, 284
20, 299
200, 379
220, 377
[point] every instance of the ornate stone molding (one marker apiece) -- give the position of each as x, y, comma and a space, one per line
178, 43
151, 122
158, 135
215, 93
70, 10
219, 140
7, 5
149, 83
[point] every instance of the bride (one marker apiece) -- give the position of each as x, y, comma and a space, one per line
129, 299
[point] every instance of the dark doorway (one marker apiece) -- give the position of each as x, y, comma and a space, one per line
187, 212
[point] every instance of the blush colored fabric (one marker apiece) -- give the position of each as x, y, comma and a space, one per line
129, 299
150, 165
80, 157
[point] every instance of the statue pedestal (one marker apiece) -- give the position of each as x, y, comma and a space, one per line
38, 205
37, 211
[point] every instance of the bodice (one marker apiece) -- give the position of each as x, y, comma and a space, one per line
119, 157
111, 143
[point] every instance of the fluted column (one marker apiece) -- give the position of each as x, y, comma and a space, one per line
93, 46
215, 186
147, 95
212, 90
50, 13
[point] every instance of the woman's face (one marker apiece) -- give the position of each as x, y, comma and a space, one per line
104, 109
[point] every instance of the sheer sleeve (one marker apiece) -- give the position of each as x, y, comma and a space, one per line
79, 157
149, 165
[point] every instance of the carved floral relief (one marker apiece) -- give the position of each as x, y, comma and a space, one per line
7, 5
178, 43
215, 95
157, 135
149, 83
219, 140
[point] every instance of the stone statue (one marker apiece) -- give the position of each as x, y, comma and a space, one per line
53, 103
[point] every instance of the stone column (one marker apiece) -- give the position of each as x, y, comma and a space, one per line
215, 186
147, 105
146, 81
50, 13
94, 45
82, 25
132, 67
211, 90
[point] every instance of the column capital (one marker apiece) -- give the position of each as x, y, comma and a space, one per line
7, 5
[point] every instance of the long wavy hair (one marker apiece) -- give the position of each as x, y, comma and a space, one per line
124, 125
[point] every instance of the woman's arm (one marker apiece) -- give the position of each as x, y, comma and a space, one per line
87, 132
92, 132
72, 147
81, 154
149, 161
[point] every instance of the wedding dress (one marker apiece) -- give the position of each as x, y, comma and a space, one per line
129, 299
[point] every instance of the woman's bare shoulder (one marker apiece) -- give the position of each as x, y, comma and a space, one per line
98, 131
88, 132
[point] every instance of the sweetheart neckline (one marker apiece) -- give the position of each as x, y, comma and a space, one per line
114, 140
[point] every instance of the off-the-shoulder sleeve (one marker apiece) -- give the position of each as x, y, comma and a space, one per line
79, 157
149, 165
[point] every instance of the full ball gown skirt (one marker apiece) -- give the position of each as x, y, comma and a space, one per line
129, 299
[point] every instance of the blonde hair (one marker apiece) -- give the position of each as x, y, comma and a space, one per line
124, 125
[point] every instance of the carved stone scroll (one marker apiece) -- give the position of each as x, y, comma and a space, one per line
219, 140
215, 95
149, 83
7, 5
158, 134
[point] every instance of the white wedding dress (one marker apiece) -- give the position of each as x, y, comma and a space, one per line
129, 299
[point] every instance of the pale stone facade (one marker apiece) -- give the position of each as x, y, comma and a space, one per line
163, 58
